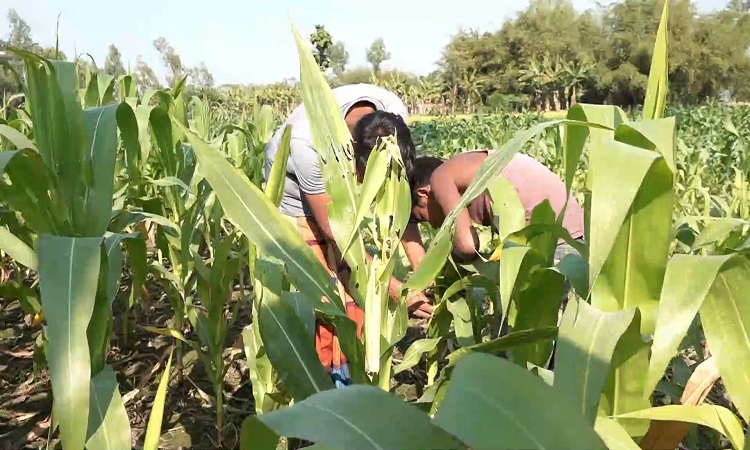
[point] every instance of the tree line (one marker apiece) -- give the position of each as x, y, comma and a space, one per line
548, 57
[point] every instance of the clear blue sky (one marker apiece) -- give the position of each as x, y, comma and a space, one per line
245, 41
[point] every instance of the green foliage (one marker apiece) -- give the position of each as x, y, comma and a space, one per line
377, 54
323, 47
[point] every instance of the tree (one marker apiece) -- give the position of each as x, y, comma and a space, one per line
144, 75
113, 63
201, 77
172, 62
20, 31
377, 54
322, 43
339, 58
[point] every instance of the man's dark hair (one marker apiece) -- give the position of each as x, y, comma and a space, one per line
421, 172
372, 128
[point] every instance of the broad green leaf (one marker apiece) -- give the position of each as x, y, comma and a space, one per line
338, 418
256, 435
504, 343
494, 404
261, 371
277, 178
332, 141
686, 284
576, 269
375, 174
716, 230
262, 223
606, 116
68, 276
16, 138
614, 435
658, 135
170, 182
302, 309
33, 192
538, 306
291, 350
717, 417
100, 126
462, 321
658, 78
414, 354
506, 205
725, 316
166, 332
585, 346
512, 260
109, 426
17, 249
153, 429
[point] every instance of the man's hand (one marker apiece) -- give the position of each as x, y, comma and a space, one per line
419, 306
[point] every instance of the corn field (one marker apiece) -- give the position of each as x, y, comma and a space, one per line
153, 296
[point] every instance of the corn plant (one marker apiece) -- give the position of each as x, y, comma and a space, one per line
66, 206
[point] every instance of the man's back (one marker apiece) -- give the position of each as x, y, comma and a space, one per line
303, 170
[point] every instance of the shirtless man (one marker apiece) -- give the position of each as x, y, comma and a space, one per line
437, 186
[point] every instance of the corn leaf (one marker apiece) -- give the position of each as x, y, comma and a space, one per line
68, 276
717, 417
504, 343
506, 206
687, 282
277, 178
290, 349
153, 429
109, 426
263, 224
100, 125
336, 418
658, 135
17, 249
585, 346
478, 408
614, 435
414, 353
725, 316
16, 138
658, 77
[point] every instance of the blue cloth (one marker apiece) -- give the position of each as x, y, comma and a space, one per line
340, 376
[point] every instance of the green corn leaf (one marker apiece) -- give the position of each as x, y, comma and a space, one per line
725, 316
100, 125
504, 343
34, 192
291, 350
109, 426
127, 123
414, 353
302, 309
277, 178
614, 435
687, 282
68, 276
606, 116
17, 249
261, 371
717, 417
170, 182
537, 307
658, 135
576, 269
512, 260
153, 429
480, 409
263, 224
658, 77
506, 206
717, 230
16, 138
337, 418
585, 346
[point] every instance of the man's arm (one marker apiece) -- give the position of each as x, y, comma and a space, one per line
444, 186
413, 246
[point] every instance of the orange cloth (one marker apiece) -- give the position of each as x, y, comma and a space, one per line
326, 341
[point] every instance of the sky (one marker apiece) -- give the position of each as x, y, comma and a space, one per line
250, 41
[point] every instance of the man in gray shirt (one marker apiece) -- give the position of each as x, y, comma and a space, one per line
305, 199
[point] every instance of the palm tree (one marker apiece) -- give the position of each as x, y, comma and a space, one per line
577, 71
471, 88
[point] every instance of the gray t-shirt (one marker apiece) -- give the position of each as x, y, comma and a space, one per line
302, 169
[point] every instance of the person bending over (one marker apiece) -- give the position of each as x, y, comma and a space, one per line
305, 202
437, 186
